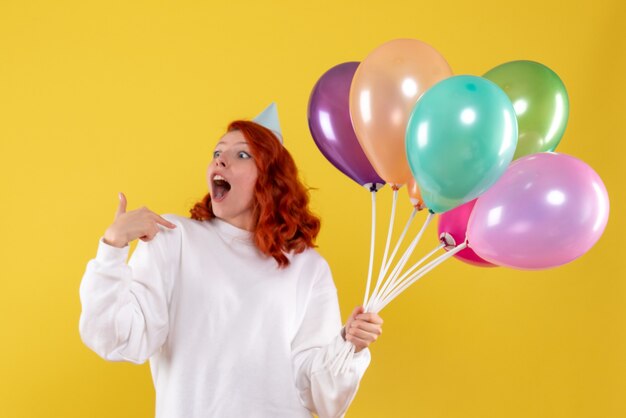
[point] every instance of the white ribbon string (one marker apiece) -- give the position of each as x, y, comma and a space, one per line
395, 250
380, 274
397, 281
421, 272
372, 241
405, 257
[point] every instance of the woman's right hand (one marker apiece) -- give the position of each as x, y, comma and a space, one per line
140, 223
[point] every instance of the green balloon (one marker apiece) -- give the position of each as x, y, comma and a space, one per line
460, 139
540, 101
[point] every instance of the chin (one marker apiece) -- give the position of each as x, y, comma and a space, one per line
222, 213
218, 212
216, 209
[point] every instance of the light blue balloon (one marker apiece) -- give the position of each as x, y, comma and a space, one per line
460, 139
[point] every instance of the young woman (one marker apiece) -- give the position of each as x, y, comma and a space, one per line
235, 310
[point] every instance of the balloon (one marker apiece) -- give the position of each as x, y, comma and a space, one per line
415, 196
384, 90
459, 140
454, 222
330, 125
540, 101
546, 210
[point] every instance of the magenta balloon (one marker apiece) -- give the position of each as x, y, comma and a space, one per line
546, 210
454, 222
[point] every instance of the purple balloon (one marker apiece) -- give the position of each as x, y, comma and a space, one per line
331, 127
546, 210
454, 222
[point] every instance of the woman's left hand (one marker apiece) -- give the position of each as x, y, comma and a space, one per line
362, 329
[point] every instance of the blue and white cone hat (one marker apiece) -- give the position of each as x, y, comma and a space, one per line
269, 119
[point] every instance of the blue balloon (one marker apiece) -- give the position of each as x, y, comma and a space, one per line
460, 139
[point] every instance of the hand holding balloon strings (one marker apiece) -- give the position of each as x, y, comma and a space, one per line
374, 303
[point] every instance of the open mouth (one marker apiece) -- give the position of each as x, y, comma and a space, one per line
220, 188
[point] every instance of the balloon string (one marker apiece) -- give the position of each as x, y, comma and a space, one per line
372, 241
340, 357
345, 356
405, 257
421, 272
395, 250
338, 360
342, 362
428, 267
397, 280
380, 273
348, 361
391, 224
407, 254
336, 363
376, 297
394, 272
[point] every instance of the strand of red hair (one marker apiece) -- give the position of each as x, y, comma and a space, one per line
284, 222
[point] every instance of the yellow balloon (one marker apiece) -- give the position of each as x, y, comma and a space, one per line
384, 89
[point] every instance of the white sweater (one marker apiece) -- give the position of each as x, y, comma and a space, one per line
227, 333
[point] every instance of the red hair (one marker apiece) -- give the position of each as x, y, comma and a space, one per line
283, 220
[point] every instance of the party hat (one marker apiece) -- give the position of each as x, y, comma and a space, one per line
269, 119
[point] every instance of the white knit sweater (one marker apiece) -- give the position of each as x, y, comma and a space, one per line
227, 333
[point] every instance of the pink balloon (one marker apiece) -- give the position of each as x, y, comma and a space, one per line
454, 222
546, 210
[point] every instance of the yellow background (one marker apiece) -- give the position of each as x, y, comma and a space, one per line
101, 97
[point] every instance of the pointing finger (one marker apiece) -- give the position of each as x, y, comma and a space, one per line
164, 222
121, 208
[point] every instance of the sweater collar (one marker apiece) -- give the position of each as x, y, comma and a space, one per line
232, 231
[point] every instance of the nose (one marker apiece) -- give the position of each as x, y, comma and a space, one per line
219, 161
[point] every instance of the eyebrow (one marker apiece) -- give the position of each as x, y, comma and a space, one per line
241, 142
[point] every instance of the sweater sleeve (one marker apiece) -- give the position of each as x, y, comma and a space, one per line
317, 343
124, 313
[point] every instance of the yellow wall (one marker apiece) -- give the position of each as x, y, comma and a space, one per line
101, 97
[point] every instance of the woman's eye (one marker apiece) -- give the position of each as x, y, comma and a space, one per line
216, 154
243, 154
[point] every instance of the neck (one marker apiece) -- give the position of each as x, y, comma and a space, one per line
246, 224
